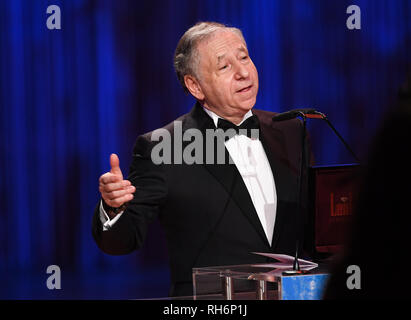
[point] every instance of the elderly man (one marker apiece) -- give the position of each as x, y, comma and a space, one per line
213, 214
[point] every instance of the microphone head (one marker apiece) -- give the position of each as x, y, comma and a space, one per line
308, 112
286, 115
305, 110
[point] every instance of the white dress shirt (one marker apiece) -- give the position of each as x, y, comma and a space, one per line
251, 161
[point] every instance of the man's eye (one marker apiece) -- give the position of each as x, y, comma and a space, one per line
224, 67
245, 58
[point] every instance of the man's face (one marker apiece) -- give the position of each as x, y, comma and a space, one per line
228, 79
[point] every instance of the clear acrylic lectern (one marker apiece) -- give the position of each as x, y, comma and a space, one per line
257, 282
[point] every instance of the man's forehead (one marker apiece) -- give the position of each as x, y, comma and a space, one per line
240, 47
223, 42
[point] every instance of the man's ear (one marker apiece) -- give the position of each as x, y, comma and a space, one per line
194, 87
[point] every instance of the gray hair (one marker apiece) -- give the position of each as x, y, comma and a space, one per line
186, 57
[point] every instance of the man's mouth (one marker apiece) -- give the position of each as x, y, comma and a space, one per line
245, 89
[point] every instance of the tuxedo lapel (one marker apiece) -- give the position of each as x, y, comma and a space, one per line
227, 173
233, 183
273, 141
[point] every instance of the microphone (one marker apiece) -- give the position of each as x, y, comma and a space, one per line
306, 113
296, 113
309, 113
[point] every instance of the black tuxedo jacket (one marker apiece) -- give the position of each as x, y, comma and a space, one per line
206, 211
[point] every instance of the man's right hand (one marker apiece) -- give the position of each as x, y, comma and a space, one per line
114, 190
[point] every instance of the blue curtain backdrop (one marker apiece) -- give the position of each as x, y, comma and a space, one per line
71, 97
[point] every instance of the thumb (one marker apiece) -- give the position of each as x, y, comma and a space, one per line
115, 165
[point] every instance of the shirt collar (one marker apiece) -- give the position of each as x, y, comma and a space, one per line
215, 117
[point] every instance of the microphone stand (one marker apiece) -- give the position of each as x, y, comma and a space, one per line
296, 264
304, 114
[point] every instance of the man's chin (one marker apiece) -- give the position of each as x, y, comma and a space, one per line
247, 105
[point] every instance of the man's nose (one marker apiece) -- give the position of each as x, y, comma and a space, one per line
241, 71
